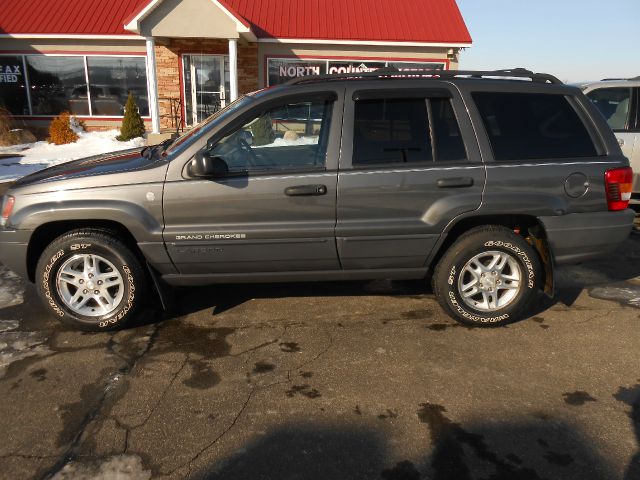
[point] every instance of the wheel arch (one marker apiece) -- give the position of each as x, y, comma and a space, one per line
44, 234
527, 226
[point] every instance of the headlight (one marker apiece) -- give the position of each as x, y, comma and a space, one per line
7, 207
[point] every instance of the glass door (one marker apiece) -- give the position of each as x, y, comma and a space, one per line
206, 85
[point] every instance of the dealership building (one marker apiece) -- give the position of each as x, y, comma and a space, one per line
185, 59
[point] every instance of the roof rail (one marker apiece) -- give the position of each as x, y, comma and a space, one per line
620, 79
394, 73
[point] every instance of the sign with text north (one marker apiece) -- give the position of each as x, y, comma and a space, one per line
281, 70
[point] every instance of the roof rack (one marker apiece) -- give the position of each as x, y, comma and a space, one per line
394, 73
620, 79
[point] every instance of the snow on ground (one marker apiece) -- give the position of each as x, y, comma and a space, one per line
119, 467
32, 157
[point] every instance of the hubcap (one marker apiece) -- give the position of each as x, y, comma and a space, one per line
90, 285
490, 281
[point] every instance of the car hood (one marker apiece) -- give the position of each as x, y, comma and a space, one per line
122, 167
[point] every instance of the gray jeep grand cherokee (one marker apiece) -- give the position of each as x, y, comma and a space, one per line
483, 181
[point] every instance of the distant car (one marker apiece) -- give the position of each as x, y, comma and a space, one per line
619, 102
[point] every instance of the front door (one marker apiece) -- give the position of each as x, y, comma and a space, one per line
206, 85
275, 210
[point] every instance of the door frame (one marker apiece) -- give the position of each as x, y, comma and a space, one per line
190, 122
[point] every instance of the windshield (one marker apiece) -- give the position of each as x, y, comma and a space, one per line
196, 131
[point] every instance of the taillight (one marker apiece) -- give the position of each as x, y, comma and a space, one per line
7, 208
618, 183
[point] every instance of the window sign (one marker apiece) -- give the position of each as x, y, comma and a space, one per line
281, 70
13, 94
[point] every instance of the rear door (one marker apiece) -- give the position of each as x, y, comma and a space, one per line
275, 210
409, 165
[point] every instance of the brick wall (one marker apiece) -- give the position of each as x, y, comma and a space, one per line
168, 68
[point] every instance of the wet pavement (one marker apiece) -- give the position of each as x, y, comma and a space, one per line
329, 381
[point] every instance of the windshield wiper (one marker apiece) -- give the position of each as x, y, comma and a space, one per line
152, 151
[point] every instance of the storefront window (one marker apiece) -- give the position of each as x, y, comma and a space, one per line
13, 95
111, 79
57, 84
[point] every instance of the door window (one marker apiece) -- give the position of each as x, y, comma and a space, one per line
289, 137
614, 103
206, 83
528, 126
391, 131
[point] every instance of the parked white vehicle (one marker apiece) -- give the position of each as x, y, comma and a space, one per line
619, 102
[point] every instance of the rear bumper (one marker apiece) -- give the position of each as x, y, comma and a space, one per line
577, 237
13, 250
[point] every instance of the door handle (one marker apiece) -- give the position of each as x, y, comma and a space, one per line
305, 190
457, 182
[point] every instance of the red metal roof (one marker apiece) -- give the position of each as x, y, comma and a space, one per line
437, 21
67, 17
428, 21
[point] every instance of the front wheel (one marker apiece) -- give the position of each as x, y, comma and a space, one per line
489, 277
91, 280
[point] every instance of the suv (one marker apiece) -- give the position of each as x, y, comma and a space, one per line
482, 181
619, 101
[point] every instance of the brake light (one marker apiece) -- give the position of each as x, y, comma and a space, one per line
618, 183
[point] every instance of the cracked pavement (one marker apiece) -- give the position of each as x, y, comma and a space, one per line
329, 381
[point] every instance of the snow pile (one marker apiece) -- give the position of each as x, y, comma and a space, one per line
39, 155
120, 467
286, 142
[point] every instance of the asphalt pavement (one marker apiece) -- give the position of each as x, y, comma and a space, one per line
366, 380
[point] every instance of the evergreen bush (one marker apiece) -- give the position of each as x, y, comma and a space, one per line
132, 123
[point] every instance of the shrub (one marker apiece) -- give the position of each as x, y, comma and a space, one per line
6, 121
132, 123
60, 131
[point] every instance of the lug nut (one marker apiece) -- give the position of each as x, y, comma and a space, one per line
81, 281
482, 275
97, 292
85, 291
99, 282
91, 275
494, 273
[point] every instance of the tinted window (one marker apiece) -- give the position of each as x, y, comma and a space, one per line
614, 103
448, 139
57, 84
276, 140
528, 126
391, 131
111, 79
13, 95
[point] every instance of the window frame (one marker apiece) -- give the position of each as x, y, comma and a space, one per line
572, 99
84, 57
255, 111
425, 94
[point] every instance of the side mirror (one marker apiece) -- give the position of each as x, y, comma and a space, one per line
205, 165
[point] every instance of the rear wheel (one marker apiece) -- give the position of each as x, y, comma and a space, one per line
91, 280
489, 277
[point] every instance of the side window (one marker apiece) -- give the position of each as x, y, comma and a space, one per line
530, 126
389, 131
287, 137
614, 103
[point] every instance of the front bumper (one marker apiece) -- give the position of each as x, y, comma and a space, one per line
577, 237
13, 250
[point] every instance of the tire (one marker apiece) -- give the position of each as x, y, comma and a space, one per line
115, 291
497, 299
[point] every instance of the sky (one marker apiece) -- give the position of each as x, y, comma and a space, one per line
575, 40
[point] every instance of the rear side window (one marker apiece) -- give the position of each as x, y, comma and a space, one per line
392, 131
533, 126
615, 105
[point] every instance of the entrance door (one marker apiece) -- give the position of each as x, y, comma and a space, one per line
206, 85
